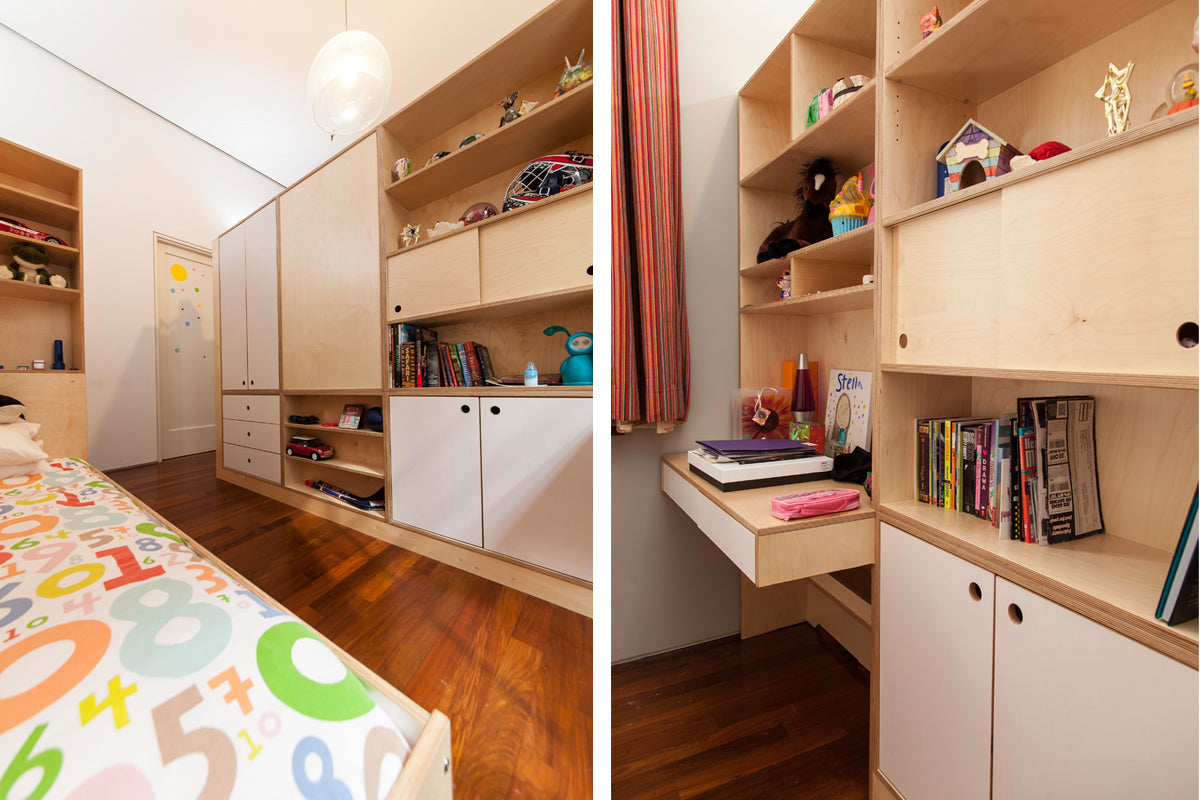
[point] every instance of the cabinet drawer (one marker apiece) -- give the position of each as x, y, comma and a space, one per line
437, 277
251, 407
256, 435
253, 462
543, 250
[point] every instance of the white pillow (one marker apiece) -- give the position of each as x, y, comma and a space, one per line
23, 469
17, 445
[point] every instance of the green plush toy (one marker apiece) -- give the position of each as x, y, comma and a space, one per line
29, 265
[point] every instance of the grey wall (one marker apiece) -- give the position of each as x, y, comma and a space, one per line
671, 587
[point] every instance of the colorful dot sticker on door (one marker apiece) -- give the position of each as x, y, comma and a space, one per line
178, 272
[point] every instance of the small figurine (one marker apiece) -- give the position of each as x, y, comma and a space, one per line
401, 168
574, 75
576, 368
510, 112
440, 154
474, 137
1116, 102
526, 107
478, 213
409, 235
784, 282
930, 22
444, 227
1181, 93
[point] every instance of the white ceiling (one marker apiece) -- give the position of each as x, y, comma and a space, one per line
234, 72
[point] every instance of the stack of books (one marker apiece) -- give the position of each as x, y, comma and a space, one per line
416, 359
1031, 474
732, 464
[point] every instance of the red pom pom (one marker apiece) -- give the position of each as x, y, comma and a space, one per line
1047, 150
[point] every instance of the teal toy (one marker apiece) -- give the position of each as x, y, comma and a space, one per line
576, 369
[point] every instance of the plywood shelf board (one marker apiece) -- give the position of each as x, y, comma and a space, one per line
548, 126
1115, 378
343, 466
993, 45
513, 61
846, 136
38, 174
39, 292
856, 247
1106, 578
61, 255
503, 308
1092, 150
495, 391
333, 501
844, 24
853, 298
335, 429
33, 209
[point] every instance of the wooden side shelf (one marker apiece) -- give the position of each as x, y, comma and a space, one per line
854, 298
333, 501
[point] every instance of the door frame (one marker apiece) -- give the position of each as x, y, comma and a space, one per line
157, 240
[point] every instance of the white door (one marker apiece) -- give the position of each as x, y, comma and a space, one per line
935, 670
537, 480
231, 255
183, 280
1081, 711
435, 466
262, 300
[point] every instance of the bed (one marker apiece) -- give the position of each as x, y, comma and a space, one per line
134, 663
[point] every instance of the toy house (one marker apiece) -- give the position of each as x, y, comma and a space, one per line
975, 155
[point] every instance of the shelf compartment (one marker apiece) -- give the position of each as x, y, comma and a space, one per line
340, 431
846, 136
854, 248
1063, 376
548, 126
496, 391
853, 298
503, 308
1033, 253
1113, 581
39, 292
768, 550
298, 486
61, 255
993, 45
340, 466
34, 209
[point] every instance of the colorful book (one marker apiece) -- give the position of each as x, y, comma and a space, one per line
923, 460
1178, 601
485, 360
473, 364
464, 367
848, 412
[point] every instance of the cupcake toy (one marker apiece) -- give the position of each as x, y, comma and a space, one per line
851, 207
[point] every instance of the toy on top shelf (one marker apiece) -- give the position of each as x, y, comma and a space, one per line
974, 155
576, 368
401, 168
930, 22
851, 207
844, 88
1116, 101
784, 282
9, 225
1040, 153
811, 225
1182, 91
512, 112
29, 265
478, 212
574, 75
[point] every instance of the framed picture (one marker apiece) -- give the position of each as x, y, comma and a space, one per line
351, 417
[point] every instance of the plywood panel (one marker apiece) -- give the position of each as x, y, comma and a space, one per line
439, 276
543, 250
330, 275
57, 400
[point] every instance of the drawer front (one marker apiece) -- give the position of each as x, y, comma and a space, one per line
255, 435
251, 407
437, 277
543, 250
253, 462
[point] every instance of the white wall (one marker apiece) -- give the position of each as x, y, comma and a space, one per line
671, 586
140, 175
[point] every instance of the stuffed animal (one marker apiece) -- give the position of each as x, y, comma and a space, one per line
29, 265
813, 196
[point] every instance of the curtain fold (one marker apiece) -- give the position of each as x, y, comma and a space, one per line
650, 359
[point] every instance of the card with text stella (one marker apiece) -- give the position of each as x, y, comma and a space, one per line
848, 412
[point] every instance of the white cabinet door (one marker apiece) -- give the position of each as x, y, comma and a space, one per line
935, 670
435, 466
231, 255
262, 301
537, 480
1081, 711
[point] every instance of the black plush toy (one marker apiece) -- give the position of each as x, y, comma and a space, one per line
811, 225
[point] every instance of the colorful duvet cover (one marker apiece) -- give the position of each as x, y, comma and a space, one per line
133, 667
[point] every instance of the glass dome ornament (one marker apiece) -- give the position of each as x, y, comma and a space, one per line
349, 82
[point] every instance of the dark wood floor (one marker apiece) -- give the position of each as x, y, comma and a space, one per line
513, 673
782, 715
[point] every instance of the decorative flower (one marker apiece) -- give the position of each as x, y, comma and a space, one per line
766, 415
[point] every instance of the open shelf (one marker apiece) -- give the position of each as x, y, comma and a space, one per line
496, 391
1051, 376
549, 125
992, 45
34, 209
333, 501
1106, 578
334, 429
39, 292
1097, 149
846, 136
503, 308
853, 298
342, 466
60, 255
855, 247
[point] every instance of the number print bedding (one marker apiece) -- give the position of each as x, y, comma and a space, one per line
133, 667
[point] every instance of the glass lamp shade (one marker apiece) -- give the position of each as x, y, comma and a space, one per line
349, 82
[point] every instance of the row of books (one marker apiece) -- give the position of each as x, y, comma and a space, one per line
417, 359
1031, 474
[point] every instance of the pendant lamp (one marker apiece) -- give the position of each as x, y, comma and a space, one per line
349, 81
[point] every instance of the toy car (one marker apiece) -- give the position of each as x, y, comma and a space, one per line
10, 225
308, 447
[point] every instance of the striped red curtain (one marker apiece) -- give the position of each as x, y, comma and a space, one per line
650, 360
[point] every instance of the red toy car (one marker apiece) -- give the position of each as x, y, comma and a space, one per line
308, 447
10, 225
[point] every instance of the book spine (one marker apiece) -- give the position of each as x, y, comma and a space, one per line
408, 365
966, 469
983, 471
447, 367
923, 460
485, 359
456, 365
463, 365
473, 364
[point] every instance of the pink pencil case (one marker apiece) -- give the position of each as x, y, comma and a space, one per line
811, 504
